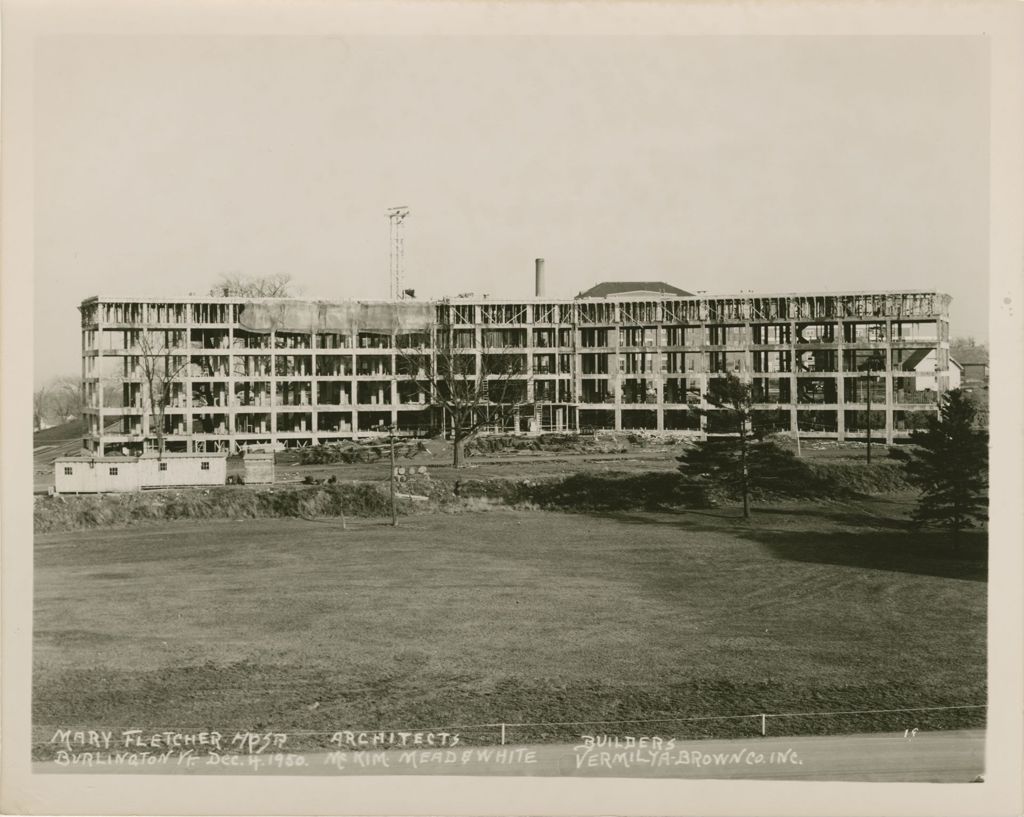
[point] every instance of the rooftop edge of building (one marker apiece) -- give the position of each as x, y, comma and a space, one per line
619, 296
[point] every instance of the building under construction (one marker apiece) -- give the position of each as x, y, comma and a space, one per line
238, 373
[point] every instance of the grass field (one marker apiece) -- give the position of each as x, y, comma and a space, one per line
296, 625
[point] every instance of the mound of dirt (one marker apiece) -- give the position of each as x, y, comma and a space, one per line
353, 452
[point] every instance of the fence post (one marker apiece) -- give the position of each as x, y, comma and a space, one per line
503, 734
764, 725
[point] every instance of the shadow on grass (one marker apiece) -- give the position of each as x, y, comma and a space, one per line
840, 516
922, 554
730, 517
874, 543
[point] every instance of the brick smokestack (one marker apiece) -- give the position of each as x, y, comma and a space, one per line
539, 285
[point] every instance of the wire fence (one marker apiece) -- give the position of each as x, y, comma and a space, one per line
760, 720
682, 727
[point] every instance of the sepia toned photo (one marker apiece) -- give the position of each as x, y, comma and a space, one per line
518, 406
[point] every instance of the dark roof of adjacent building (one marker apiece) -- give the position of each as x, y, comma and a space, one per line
913, 358
606, 288
970, 355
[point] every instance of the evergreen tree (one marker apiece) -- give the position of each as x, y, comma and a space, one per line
733, 397
744, 461
950, 467
769, 467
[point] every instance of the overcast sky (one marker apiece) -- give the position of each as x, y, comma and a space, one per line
777, 164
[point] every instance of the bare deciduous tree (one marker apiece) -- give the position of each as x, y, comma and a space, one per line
40, 399
59, 401
66, 398
159, 365
471, 397
278, 285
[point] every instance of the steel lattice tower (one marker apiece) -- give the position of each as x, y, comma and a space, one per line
396, 220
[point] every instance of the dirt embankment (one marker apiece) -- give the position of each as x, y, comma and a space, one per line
418, 493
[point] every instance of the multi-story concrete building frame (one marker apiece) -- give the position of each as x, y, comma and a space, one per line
291, 371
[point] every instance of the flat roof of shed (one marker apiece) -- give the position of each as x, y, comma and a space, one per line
149, 455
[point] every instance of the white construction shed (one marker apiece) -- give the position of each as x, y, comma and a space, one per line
95, 475
86, 474
181, 470
259, 467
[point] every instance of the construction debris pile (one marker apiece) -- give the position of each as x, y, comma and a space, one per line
600, 443
561, 443
353, 452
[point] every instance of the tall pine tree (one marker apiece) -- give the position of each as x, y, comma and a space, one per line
733, 397
745, 462
950, 467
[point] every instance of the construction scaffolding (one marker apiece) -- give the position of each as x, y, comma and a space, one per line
297, 372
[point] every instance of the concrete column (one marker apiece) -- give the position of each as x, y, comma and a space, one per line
794, 396
83, 391
657, 357
186, 380
100, 382
840, 383
615, 371
478, 349
232, 405
314, 386
530, 390
577, 370
703, 368
272, 351
888, 384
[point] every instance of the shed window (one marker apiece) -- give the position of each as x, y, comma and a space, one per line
204, 466
163, 466
113, 472
68, 470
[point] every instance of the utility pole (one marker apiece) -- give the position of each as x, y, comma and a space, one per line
394, 501
743, 459
868, 377
870, 366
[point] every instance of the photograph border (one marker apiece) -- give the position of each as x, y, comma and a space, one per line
1001, 793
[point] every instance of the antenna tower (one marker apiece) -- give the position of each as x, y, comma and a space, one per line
396, 220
